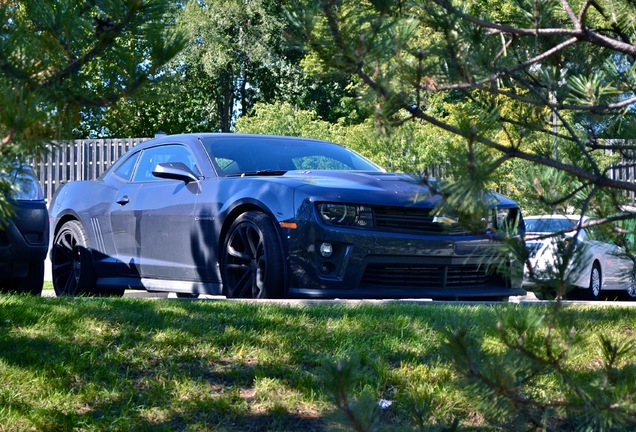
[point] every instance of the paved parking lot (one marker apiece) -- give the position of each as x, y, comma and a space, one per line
529, 298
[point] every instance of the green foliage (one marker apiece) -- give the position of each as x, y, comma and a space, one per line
231, 43
238, 53
340, 378
412, 148
530, 375
180, 103
58, 57
488, 73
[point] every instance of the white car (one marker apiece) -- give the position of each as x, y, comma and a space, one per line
566, 248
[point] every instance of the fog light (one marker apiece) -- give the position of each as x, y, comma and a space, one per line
326, 250
327, 268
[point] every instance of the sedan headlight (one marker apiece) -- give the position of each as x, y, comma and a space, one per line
345, 214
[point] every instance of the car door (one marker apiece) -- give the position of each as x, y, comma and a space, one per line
164, 215
125, 260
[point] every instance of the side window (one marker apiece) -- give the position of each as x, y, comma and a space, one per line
162, 154
124, 171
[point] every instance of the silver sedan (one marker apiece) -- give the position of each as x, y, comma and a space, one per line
567, 248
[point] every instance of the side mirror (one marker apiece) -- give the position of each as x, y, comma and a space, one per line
175, 171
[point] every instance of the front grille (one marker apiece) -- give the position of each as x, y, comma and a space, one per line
427, 276
416, 220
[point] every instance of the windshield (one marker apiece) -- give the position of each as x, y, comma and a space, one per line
547, 225
256, 155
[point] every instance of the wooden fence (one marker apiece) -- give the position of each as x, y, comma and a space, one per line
625, 172
87, 159
79, 160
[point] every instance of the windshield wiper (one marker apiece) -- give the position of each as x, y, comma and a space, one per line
259, 173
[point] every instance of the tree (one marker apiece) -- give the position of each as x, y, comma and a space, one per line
527, 77
57, 57
239, 53
405, 149
180, 102
522, 88
233, 43
530, 88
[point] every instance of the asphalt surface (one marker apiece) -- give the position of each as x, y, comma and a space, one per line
145, 294
529, 298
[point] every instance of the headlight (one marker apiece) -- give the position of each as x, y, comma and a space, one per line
567, 241
26, 188
345, 214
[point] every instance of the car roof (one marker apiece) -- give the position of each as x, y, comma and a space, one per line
221, 135
558, 216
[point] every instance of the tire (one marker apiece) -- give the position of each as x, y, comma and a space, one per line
187, 295
32, 283
72, 269
252, 262
594, 292
549, 293
540, 295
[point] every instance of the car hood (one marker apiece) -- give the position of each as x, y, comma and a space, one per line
373, 188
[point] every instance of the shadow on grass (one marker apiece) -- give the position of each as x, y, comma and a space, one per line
131, 364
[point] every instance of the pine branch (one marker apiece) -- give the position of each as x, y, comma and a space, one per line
104, 41
581, 33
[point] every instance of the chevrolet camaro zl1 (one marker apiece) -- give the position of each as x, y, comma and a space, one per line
257, 216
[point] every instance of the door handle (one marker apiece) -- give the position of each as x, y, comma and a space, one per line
123, 200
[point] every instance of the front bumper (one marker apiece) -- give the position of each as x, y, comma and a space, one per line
371, 264
24, 239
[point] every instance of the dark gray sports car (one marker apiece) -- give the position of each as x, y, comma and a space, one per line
265, 217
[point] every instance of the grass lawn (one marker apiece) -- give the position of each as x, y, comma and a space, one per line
129, 364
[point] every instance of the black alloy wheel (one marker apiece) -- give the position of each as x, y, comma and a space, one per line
71, 263
72, 267
187, 295
252, 261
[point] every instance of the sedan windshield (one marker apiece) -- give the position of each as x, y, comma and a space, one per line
257, 155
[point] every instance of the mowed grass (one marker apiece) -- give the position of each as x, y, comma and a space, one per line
85, 364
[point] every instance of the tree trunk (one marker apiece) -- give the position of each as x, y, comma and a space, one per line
226, 101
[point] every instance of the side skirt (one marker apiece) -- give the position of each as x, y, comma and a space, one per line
163, 285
